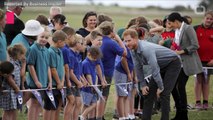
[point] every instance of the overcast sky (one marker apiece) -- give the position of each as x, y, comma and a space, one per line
142, 3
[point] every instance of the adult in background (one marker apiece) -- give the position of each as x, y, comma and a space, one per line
11, 30
185, 45
89, 23
165, 66
59, 22
205, 39
54, 10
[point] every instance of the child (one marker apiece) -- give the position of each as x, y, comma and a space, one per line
57, 71
109, 49
17, 54
39, 72
66, 51
88, 94
76, 46
96, 40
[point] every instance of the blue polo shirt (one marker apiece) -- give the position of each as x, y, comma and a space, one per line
56, 61
99, 62
110, 50
38, 57
74, 63
89, 68
65, 51
21, 39
119, 66
3, 47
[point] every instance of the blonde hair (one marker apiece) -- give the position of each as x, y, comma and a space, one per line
16, 50
46, 29
77, 39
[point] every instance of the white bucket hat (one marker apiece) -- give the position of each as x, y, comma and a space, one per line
32, 28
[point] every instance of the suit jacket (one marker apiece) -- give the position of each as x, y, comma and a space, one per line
189, 43
11, 30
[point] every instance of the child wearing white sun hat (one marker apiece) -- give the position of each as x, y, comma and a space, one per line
27, 37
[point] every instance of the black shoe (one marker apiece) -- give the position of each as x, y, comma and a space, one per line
115, 117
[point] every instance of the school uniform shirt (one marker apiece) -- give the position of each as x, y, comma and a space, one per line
89, 68
156, 56
110, 50
99, 62
3, 47
74, 64
21, 39
65, 51
205, 40
56, 61
119, 66
39, 58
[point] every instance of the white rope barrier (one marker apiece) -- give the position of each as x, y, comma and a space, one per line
30, 90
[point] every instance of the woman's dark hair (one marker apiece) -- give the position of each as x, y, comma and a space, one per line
59, 18
87, 15
175, 16
164, 21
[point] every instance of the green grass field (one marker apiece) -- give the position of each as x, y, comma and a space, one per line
121, 16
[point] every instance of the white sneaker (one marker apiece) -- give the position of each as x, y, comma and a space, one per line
81, 117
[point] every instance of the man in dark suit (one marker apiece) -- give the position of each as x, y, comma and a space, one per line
11, 30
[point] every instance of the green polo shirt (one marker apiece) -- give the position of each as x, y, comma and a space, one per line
38, 57
56, 61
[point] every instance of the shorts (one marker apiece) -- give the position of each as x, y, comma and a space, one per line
210, 71
88, 98
69, 91
75, 90
47, 102
119, 77
105, 91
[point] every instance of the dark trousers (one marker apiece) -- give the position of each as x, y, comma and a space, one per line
179, 92
138, 100
169, 75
